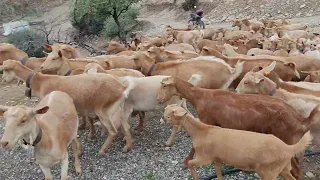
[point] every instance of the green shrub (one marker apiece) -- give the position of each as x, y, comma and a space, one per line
189, 4
87, 19
127, 21
28, 41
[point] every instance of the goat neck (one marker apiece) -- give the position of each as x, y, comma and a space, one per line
22, 71
185, 90
193, 127
65, 68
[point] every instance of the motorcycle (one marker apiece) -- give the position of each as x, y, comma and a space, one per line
197, 21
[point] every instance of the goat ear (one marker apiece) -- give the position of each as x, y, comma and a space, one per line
269, 68
308, 78
3, 67
47, 46
205, 48
292, 65
3, 109
256, 69
179, 112
92, 70
41, 110
67, 48
60, 54
45, 53
260, 80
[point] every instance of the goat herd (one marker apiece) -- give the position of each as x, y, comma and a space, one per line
269, 120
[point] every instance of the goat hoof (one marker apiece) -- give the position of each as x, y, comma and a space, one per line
92, 136
102, 153
78, 170
169, 144
82, 127
183, 166
126, 149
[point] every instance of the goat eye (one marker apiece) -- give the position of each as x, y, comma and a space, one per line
23, 121
246, 82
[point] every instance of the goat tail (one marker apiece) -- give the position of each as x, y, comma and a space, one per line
128, 85
302, 144
237, 70
314, 116
195, 79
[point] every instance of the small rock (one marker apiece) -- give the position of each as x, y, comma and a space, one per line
256, 175
279, 12
309, 14
262, 6
166, 148
174, 162
310, 175
298, 14
303, 5
247, 7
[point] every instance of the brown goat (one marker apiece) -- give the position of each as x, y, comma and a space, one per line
256, 113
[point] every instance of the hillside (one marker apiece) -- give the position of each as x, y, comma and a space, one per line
155, 14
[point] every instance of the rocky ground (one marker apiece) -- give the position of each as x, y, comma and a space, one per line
148, 160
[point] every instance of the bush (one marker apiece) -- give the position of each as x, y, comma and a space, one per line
189, 4
127, 21
85, 20
28, 41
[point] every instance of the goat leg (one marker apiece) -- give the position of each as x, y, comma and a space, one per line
47, 172
296, 171
140, 125
83, 123
92, 130
77, 151
188, 158
172, 137
64, 167
218, 166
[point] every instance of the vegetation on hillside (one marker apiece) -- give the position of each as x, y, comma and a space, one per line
115, 16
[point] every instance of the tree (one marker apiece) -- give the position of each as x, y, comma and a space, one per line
115, 8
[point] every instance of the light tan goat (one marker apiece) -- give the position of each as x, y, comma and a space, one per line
9, 51
189, 37
179, 47
56, 59
93, 68
49, 127
258, 51
206, 66
161, 55
143, 97
104, 95
115, 47
67, 50
266, 154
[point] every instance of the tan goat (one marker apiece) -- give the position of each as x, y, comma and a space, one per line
266, 154
161, 55
55, 60
104, 95
206, 67
67, 50
93, 68
285, 69
49, 127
